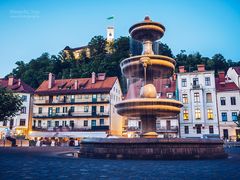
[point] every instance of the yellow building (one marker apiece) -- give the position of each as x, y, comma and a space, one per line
82, 107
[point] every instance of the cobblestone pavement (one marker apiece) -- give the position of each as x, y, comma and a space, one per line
34, 164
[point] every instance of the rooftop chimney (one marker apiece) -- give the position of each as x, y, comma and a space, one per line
101, 76
10, 80
76, 84
19, 82
201, 67
174, 77
93, 77
181, 69
51, 80
221, 76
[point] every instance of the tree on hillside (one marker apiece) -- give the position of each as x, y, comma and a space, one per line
10, 104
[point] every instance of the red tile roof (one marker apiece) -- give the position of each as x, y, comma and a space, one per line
225, 86
17, 87
237, 69
66, 86
163, 86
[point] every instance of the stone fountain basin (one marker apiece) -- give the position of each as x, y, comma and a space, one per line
158, 66
149, 107
147, 30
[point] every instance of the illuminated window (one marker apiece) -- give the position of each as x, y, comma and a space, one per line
209, 98
197, 113
185, 114
185, 98
210, 114
224, 116
234, 116
196, 97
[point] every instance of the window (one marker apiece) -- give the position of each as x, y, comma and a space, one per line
234, 116
209, 98
5, 123
224, 116
57, 109
186, 129
195, 82
86, 96
48, 124
233, 100
72, 109
197, 113
207, 81
24, 98
185, 114
79, 96
85, 123
39, 123
94, 98
199, 130
101, 108
85, 108
223, 101
23, 110
93, 123
169, 95
56, 123
71, 124
185, 98
101, 122
22, 122
210, 114
196, 97
40, 110
211, 131
65, 109
184, 82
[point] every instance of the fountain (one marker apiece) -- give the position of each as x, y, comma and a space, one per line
148, 107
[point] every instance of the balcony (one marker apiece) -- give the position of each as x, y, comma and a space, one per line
76, 114
172, 129
196, 86
70, 101
70, 129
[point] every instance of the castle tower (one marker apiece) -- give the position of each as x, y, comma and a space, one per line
110, 33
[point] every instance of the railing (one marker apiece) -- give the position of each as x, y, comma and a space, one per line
71, 101
67, 129
196, 86
168, 129
70, 114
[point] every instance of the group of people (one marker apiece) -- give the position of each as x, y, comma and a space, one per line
55, 142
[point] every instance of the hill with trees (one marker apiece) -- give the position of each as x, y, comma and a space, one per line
101, 60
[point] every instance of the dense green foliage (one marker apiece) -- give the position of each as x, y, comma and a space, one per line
10, 104
101, 60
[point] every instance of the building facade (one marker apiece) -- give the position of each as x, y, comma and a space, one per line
82, 107
19, 124
228, 103
197, 92
234, 74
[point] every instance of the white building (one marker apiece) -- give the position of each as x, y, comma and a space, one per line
197, 92
20, 123
81, 107
228, 103
234, 74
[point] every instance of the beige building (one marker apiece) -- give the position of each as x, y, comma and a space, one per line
82, 107
228, 103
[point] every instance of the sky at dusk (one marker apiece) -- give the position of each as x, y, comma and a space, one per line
29, 28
